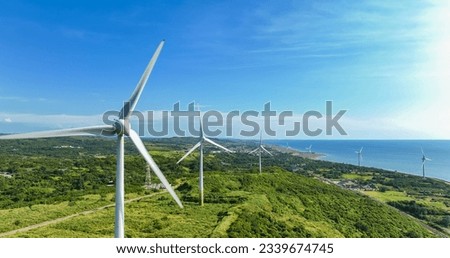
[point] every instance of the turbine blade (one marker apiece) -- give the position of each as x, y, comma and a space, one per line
190, 151
262, 147
141, 147
106, 130
253, 150
202, 134
216, 144
361, 149
427, 159
130, 105
422, 151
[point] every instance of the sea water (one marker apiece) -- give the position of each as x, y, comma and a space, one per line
396, 155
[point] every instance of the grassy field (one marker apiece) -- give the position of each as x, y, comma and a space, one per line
388, 195
12, 219
402, 196
357, 176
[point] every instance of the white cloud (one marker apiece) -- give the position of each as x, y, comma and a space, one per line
416, 56
429, 115
391, 126
51, 121
387, 127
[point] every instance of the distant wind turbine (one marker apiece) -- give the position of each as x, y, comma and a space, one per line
287, 145
200, 144
309, 148
424, 158
359, 153
260, 149
120, 128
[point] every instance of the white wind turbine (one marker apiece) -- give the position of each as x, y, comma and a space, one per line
260, 149
200, 144
287, 145
120, 128
309, 148
359, 153
424, 158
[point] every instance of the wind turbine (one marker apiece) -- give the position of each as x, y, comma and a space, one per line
260, 149
120, 128
309, 148
359, 153
200, 144
424, 158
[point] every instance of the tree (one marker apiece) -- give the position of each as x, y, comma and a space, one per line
445, 221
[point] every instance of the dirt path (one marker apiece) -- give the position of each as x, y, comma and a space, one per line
58, 220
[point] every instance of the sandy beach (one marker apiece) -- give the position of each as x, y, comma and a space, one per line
303, 154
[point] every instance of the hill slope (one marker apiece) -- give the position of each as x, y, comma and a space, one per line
42, 180
275, 204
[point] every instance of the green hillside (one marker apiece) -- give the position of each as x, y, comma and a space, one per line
238, 201
275, 204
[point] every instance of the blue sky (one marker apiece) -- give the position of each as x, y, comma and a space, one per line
64, 63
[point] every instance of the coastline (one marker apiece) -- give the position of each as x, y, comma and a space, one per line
298, 153
323, 156
423, 199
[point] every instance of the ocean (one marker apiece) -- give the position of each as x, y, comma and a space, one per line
396, 155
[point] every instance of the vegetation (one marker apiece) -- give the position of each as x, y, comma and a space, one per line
424, 198
41, 180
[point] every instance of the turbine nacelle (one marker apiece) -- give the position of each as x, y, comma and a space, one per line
360, 151
122, 127
260, 150
424, 157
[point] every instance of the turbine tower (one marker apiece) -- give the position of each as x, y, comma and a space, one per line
201, 143
120, 129
309, 148
359, 153
424, 158
260, 149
